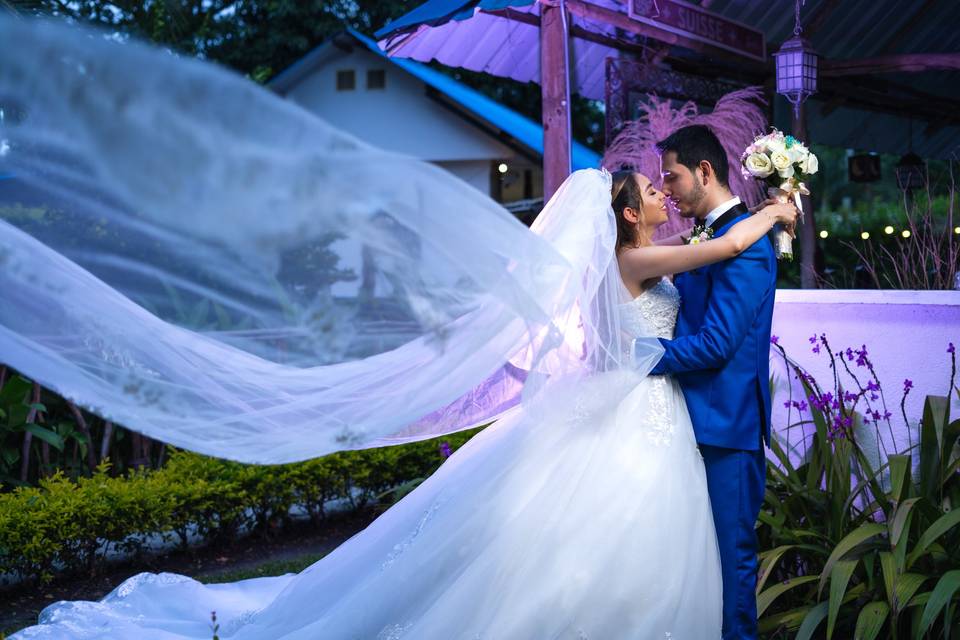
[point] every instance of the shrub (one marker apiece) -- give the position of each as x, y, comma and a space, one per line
860, 546
65, 525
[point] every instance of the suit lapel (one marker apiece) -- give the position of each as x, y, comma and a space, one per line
729, 216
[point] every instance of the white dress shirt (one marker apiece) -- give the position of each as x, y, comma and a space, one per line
722, 209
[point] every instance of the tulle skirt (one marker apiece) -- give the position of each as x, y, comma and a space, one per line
584, 516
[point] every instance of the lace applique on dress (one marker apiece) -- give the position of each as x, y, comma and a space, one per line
402, 546
659, 422
393, 631
132, 584
654, 312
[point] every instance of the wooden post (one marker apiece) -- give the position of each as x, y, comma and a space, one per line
807, 232
555, 88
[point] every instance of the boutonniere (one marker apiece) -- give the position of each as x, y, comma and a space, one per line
700, 233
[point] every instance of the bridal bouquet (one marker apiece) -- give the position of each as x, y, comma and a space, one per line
783, 162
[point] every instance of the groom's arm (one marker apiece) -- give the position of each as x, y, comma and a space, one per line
734, 303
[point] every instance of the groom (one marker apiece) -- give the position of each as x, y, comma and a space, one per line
720, 357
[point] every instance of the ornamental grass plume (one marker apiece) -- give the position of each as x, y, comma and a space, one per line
736, 119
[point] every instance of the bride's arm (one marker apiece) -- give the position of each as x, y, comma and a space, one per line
674, 240
681, 237
661, 260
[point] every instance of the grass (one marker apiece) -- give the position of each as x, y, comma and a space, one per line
262, 570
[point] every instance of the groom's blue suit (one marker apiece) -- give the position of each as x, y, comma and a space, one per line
720, 356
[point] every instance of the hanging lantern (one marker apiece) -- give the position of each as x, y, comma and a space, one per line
911, 172
796, 67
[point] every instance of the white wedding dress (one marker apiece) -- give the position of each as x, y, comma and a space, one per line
583, 516
176, 247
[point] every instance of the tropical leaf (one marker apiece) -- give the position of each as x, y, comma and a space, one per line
901, 519
906, 585
47, 435
939, 598
839, 578
14, 390
870, 621
785, 620
766, 598
812, 620
899, 477
768, 561
943, 524
936, 417
855, 537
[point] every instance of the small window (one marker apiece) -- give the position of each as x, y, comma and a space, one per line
346, 80
376, 79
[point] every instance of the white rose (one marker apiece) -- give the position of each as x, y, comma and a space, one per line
781, 160
810, 165
798, 153
759, 165
786, 172
775, 144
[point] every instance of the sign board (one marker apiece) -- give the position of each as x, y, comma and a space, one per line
694, 22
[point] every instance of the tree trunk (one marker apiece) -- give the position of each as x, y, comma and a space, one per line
85, 430
136, 445
28, 437
44, 450
105, 443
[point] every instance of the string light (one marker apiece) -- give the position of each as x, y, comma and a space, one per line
865, 235
503, 168
905, 233
888, 229
824, 233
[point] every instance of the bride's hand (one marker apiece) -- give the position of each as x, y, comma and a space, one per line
783, 213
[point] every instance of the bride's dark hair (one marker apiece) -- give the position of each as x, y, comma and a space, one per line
625, 192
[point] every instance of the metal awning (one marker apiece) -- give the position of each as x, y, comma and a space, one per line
870, 92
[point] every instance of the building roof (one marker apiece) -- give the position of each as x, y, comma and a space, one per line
525, 131
869, 111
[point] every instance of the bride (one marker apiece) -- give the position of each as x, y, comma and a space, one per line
582, 512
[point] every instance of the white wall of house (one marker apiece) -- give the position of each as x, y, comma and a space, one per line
400, 117
474, 172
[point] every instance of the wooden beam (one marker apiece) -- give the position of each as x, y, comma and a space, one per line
555, 89
873, 98
576, 31
904, 63
612, 17
818, 18
890, 45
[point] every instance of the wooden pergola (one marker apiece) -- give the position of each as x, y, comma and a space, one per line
868, 97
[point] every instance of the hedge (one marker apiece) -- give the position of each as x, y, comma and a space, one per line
67, 526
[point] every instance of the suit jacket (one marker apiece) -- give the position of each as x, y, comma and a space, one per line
721, 350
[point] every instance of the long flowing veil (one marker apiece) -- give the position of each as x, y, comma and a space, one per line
195, 258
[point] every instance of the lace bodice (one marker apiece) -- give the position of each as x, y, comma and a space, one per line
652, 312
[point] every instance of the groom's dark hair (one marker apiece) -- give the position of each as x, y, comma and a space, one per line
694, 144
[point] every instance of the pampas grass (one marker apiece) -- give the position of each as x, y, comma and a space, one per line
736, 120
